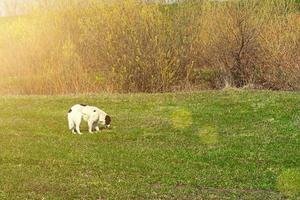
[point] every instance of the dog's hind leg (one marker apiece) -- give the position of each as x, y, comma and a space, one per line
77, 129
71, 124
74, 129
77, 124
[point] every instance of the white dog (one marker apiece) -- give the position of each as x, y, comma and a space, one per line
91, 114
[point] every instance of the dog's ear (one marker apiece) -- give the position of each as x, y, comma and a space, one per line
107, 120
70, 110
83, 104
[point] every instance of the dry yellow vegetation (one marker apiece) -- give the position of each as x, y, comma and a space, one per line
130, 46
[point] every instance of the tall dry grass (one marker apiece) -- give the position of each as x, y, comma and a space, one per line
131, 46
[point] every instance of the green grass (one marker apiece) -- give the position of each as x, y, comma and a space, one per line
230, 145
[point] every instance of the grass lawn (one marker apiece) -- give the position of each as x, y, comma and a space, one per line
208, 145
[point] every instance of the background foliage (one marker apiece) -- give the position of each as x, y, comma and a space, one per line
132, 46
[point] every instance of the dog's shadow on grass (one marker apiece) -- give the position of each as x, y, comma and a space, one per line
105, 129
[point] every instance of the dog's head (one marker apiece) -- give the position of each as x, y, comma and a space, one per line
107, 121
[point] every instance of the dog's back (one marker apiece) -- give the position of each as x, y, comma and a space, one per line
77, 108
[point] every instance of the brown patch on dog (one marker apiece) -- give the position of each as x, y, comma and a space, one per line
107, 120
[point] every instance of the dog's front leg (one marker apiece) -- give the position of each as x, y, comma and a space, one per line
90, 125
96, 126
